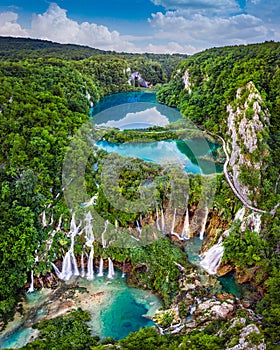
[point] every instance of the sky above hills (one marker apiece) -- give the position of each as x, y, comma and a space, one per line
160, 26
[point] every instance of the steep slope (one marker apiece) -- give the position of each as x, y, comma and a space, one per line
234, 93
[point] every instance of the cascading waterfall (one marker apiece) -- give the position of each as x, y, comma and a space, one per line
90, 270
56, 270
139, 229
31, 288
89, 243
240, 214
44, 219
257, 222
123, 273
100, 271
162, 220
111, 271
104, 243
157, 220
69, 265
202, 230
59, 223
212, 258
186, 227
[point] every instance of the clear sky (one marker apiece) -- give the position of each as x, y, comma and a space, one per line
161, 26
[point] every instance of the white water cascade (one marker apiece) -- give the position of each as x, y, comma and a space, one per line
104, 243
111, 271
139, 229
89, 243
82, 265
31, 287
44, 219
123, 273
186, 227
69, 265
202, 230
212, 258
56, 270
240, 214
162, 221
100, 271
157, 220
90, 270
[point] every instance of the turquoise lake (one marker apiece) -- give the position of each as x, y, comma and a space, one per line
188, 154
138, 110
133, 110
121, 310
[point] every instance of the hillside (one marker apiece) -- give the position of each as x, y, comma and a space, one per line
234, 93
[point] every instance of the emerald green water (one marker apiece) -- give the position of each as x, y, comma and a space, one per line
133, 110
187, 153
120, 310
228, 282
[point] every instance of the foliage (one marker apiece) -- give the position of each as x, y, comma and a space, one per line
47, 90
64, 332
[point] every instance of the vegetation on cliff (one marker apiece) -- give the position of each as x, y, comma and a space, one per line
204, 87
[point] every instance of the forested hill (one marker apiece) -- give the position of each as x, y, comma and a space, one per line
234, 92
46, 93
16, 49
208, 84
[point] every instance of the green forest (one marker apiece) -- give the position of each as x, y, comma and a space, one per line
46, 95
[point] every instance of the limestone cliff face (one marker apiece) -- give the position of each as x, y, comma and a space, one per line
187, 81
247, 141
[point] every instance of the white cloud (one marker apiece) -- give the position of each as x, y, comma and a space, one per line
170, 47
56, 26
201, 31
200, 6
9, 25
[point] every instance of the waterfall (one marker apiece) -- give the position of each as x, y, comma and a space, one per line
31, 287
111, 271
102, 238
82, 265
162, 221
44, 219
202, 230
212, 258
257, 222
192, 309
56, 270
123, 273
69, 264
139, 229
100, 271
240, 214
90, 271
59, 224
157, 220
51, 222
173, 221
186, 227
66, 272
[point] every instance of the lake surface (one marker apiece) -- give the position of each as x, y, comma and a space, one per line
120, 310
140, 110
133, 110
188, 154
